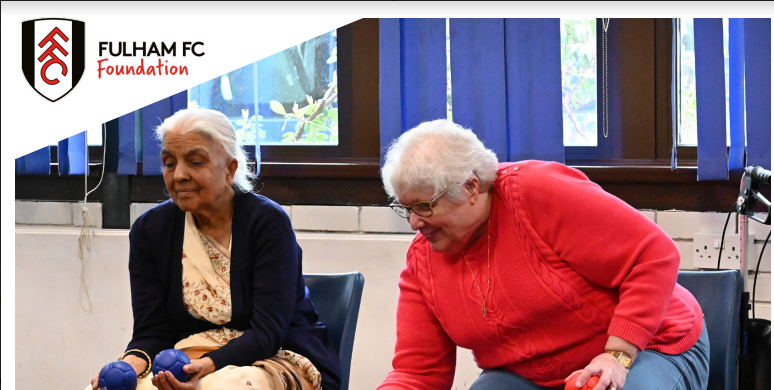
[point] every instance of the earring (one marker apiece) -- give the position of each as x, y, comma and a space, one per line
166, 192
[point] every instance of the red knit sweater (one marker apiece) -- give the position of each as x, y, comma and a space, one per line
570, 265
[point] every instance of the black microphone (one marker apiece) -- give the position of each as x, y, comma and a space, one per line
761, 175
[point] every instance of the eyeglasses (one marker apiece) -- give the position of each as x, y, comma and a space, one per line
422, 209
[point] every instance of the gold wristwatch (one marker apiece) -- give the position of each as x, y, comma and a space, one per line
622, 357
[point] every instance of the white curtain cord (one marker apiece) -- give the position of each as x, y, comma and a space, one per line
87, 222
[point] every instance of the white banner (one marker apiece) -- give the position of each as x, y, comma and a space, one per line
229, 36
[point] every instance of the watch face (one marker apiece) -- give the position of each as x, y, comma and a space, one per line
627, 361
622, 357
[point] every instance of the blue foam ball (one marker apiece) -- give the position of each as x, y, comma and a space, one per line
117, 375
172, 360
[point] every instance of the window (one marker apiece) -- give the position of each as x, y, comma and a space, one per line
271, 99
640, 65
579, 81
687, 135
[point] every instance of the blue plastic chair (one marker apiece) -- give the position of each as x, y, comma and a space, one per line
719, 294
336, 298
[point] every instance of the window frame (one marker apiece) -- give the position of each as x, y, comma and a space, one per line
603, 147
348, 174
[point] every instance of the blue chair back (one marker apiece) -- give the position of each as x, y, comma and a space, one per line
336, 298
719, 294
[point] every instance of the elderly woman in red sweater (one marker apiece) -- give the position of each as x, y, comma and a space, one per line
535, 269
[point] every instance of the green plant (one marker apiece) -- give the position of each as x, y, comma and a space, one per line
250, 128
318, 121
579, 86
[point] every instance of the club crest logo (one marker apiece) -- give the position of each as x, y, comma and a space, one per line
53, 55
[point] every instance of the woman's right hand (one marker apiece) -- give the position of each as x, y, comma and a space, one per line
197, 369
139, 364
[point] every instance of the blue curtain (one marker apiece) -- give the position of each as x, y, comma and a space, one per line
534, 80
757, 72
136, 142
129, 142
37, 162
749, 95
73, 155
412, 75
736, 93
389, 83
478, 80
710, 99
152, 116
506, 81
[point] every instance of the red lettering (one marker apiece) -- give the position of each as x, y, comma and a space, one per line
150, 70
50, 53
141, 69
100, 68
50, 36
46, 65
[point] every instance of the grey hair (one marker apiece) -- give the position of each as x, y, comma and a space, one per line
437, 155
215, 126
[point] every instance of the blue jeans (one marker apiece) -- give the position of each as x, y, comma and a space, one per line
652, 370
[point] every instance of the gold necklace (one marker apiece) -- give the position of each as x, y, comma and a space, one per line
475, 279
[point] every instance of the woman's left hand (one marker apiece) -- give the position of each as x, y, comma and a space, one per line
198, 369
611, 373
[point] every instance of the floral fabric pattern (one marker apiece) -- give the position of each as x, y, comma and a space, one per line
205, 301
306, 367
221, 336
207, 296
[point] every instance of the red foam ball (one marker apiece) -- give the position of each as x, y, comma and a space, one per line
590, 383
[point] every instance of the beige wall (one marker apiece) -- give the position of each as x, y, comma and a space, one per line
52, 326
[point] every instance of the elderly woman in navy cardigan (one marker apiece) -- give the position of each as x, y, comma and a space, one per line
216, 272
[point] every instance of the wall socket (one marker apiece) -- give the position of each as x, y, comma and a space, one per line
707, 245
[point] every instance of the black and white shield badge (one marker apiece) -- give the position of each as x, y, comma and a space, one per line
53, 55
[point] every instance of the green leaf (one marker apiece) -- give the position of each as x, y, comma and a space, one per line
241, 122
308, 110
284, 124
277, 107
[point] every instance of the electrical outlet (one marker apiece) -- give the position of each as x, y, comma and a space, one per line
706, 247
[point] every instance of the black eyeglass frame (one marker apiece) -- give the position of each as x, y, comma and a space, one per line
401, 209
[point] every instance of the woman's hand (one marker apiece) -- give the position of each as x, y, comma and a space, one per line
198, 369
139, 364
611, 372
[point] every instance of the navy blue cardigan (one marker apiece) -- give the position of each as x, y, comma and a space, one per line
269, 299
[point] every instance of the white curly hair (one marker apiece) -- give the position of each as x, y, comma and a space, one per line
437, 155
216, 127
